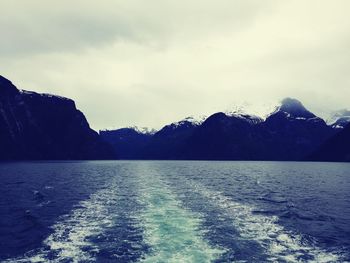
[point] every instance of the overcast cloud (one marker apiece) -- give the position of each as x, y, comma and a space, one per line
148, 63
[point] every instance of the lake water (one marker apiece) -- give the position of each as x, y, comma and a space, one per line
174, 211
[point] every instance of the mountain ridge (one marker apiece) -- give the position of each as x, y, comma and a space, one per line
290, 132
37, 126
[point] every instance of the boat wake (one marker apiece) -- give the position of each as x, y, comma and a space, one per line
69, 241
280, 244
173, 232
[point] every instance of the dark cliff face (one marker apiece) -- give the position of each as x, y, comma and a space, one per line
337, 148
40, 126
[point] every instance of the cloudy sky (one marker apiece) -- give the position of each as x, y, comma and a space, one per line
148, 63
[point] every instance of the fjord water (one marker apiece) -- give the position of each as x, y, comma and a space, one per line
174, 211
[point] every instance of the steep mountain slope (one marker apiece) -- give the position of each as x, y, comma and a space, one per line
42, 126
336, 148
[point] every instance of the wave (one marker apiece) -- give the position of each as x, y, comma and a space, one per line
279, 243
70, 238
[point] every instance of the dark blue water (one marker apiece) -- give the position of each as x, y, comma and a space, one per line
122, 211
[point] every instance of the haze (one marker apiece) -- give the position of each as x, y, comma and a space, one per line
148, 63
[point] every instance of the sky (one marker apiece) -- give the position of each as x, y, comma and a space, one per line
149, 63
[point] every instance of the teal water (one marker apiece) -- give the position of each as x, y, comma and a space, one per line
173, 232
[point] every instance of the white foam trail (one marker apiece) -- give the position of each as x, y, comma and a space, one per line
279, 243
69, 241
172, 232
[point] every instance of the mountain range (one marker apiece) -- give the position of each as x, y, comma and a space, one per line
37, 126
289, 133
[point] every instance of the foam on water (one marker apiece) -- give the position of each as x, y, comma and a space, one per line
279, 243
69, 241
172, 232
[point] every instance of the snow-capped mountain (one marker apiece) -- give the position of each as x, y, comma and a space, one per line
294, 110
290, 132
254, 113
191, 120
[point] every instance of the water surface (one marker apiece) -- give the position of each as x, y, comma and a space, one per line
174, 211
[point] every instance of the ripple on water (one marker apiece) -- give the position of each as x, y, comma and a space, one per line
280, 244
70, 238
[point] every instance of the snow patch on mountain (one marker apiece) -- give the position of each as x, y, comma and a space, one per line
143, 130
256, 112
253, 119
195, 121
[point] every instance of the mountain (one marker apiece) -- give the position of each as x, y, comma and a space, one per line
336, 148
169, 142
223, 137
291, 132
128, 142
294, 109
42, 126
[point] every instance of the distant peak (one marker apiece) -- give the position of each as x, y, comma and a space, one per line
195, 121
134, 129
295, 108
143, 130
291, 104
